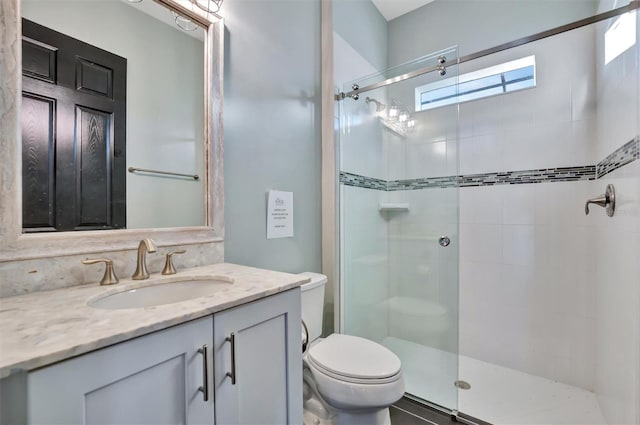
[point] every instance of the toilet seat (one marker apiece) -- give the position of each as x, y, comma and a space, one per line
348, 379
354, 359
353, 373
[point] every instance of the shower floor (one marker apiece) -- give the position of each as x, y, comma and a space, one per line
498, 395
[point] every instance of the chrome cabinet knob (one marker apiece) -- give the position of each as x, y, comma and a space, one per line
444, 241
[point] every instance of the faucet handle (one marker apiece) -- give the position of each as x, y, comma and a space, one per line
606, 200
109, 277
168, 264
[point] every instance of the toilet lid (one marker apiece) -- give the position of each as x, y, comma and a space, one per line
355, 357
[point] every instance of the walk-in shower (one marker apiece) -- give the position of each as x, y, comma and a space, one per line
463, 241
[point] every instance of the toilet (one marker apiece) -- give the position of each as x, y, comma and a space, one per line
348, 380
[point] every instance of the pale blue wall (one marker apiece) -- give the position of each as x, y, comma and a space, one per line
361, 25
272, 129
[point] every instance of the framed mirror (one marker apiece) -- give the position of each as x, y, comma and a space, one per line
173, 125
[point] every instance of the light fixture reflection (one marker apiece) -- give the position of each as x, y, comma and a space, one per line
184, 23
398, 118
210, 6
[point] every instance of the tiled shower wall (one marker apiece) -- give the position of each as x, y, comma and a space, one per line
526, 274
543, 288
617, 238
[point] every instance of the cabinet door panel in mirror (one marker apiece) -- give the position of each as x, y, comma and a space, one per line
38, 169
147, 113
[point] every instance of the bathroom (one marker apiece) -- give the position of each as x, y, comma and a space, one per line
577, 325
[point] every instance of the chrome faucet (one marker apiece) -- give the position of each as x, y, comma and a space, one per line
146, 245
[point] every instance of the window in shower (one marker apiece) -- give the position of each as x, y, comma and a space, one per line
620, 37
499, 79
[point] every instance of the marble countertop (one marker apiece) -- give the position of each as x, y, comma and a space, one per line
43, 328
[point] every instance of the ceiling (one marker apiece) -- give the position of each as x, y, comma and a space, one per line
391, 9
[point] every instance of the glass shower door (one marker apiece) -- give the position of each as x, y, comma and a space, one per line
399, 220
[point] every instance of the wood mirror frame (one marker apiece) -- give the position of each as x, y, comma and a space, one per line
16, 245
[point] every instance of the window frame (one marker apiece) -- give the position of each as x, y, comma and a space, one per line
496, 70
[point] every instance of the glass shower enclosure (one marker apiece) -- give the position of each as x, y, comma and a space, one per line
398, 237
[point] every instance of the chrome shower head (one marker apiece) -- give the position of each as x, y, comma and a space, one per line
379, 105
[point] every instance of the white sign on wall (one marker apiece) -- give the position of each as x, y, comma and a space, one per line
279, 214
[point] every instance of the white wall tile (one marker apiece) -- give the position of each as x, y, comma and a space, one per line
487, 153
365, 263
486, 116
518, 107
481, 205
518, 204
466, 156
536, 303
481, 242
617, 266
519, 245
465, 120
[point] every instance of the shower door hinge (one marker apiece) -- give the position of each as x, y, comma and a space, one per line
340, 96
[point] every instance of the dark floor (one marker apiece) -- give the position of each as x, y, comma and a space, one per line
409, 412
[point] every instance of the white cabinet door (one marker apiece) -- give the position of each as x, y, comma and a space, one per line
265, 337
153, 379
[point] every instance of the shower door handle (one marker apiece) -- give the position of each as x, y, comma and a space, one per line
444, 241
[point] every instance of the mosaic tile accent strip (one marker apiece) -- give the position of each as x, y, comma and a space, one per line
424, 183
622, 156
470, 180
542, 175
357, 180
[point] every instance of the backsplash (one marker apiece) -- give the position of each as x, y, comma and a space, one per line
43, 274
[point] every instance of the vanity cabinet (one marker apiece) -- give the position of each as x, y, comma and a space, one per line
252, 368
258, 362
153, 379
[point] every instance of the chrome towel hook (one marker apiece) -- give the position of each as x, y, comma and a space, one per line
608, 201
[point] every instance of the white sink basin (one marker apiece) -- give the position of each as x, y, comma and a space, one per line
162, 293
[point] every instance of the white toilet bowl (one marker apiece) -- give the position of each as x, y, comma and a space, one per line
348, 380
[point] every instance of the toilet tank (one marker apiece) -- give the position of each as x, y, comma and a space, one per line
312, 298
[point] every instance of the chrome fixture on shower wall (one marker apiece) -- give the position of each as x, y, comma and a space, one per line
607, 201
379, 105
397, 117
442, 68
356, 90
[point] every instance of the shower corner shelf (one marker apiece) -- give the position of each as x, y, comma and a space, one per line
392, 207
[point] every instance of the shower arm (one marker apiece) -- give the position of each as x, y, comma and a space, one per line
379, 105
